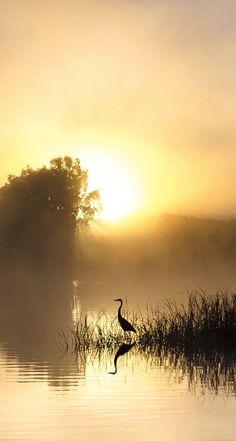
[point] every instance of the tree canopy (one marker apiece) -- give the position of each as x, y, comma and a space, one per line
41, 210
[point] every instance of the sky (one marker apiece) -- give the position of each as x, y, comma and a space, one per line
145, 88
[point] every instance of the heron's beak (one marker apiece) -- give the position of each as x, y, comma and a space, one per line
116, 300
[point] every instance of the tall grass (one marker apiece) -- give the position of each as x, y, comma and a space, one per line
97, 331
195, 340
205, 323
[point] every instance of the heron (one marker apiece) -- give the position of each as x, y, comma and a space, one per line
126, 326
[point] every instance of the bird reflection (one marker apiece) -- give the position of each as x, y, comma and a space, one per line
123, 349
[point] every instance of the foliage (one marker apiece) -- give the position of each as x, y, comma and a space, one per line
41, 209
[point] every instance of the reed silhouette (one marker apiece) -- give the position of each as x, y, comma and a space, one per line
123, 349
195, 340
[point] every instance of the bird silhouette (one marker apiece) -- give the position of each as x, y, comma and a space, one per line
121, 351
126, 326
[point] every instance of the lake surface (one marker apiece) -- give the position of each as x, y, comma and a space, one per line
51, 394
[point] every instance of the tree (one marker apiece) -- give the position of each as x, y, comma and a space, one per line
41, 210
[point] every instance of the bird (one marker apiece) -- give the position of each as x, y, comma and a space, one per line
121, 351
126, 326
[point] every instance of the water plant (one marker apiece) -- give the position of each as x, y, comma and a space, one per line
204, 323
194, 340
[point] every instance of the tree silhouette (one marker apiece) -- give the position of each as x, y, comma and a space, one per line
41, 210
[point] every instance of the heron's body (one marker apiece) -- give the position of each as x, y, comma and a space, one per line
125, 325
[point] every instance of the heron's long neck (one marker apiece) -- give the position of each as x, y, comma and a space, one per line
119, 310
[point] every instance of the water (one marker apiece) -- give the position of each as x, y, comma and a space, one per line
67, 397
50, 394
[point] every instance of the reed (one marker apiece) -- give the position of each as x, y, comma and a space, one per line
97, 331
204, 323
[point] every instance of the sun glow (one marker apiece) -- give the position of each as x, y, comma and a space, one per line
117, 187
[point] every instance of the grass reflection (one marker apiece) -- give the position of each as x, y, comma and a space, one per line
212, 371
196, 341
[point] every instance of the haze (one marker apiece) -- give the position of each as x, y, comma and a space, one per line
148, 84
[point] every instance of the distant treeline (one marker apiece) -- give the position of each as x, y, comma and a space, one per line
190, 239
172, 242
41, 211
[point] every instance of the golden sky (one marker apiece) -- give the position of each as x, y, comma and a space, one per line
148, 85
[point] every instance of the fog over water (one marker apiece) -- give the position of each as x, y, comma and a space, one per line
175, 257
43, 381
142, 94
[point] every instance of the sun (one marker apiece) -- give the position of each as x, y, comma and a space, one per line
117, 187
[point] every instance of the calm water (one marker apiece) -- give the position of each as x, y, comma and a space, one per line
47, 394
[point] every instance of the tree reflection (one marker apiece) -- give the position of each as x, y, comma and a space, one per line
34, 305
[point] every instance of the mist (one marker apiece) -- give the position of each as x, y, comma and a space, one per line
150, 82
117, 182
170, 257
